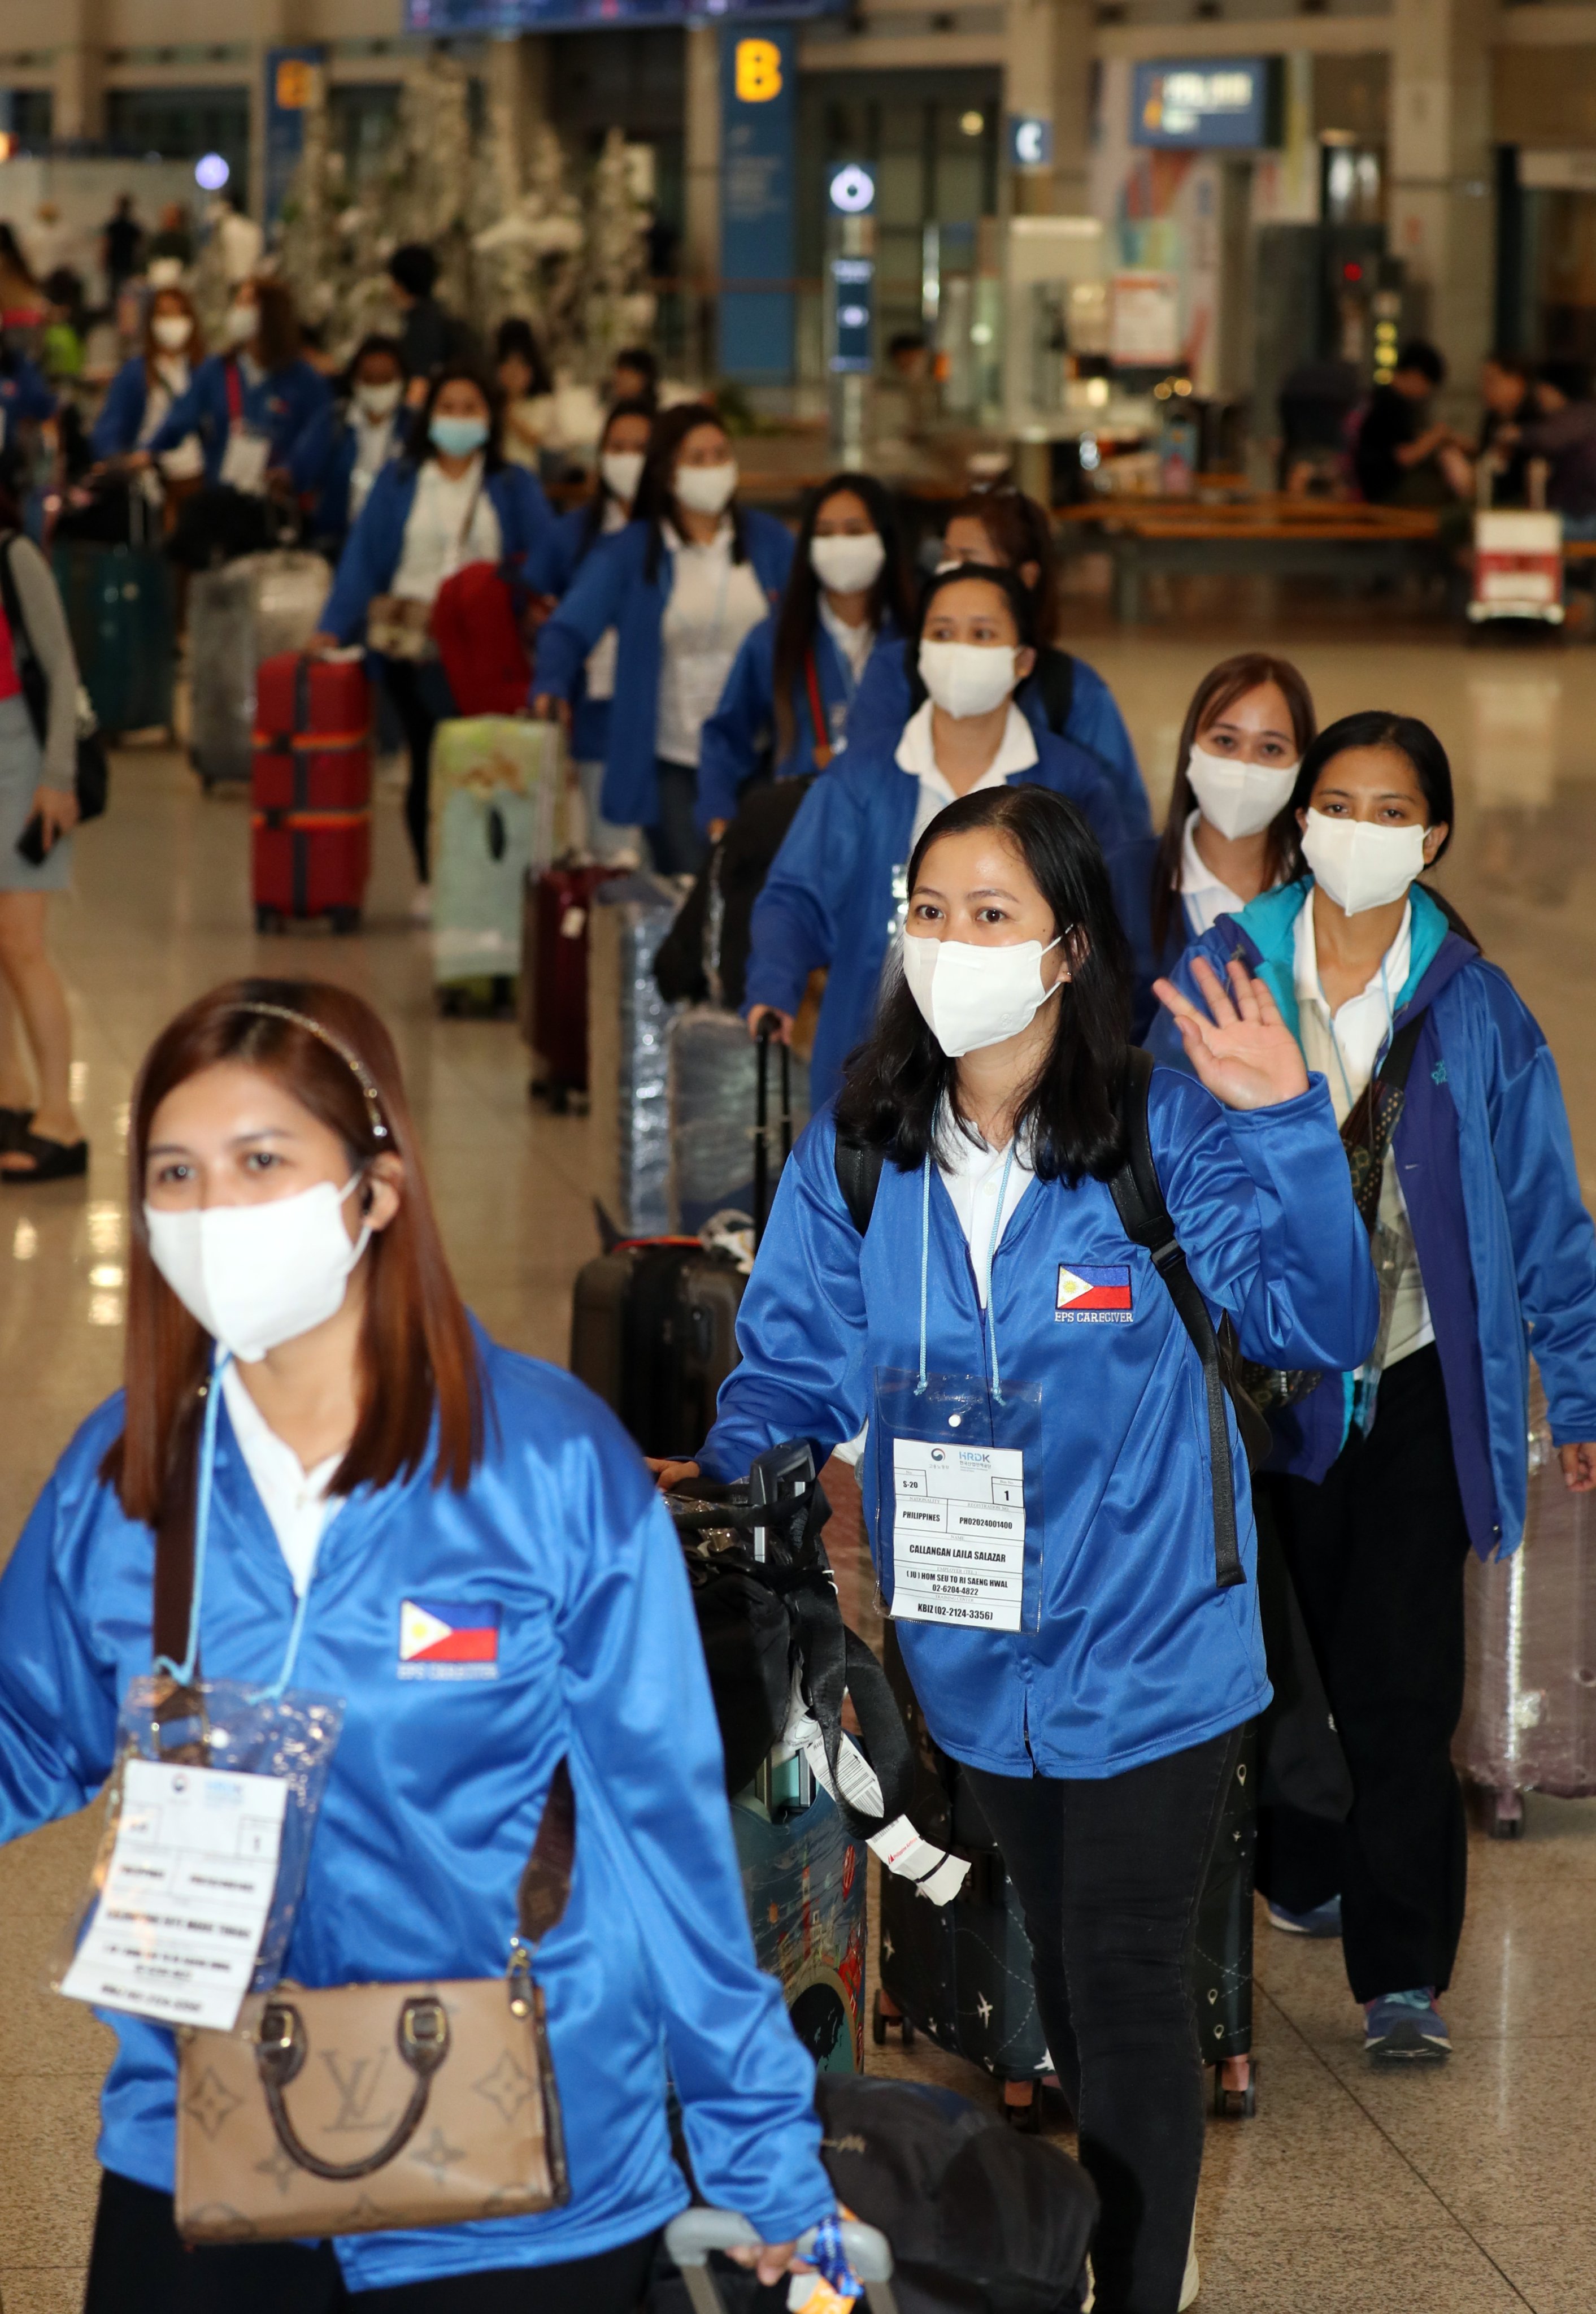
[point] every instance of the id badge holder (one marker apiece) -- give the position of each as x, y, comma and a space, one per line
211, 1810
958, 1499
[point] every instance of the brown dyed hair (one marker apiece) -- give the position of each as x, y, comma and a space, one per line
417, 1356
1020, 531
277, 343
1220, 688
193, 353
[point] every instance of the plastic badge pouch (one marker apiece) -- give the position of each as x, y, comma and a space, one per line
208, 1825
959, 1512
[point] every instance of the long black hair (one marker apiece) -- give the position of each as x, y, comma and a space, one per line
515, 339
900, 1090
655, 502
799, 613
1405, 736
1021, 530
421, 444
593, 514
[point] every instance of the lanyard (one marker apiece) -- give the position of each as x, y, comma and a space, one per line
183, 1673
991, 1252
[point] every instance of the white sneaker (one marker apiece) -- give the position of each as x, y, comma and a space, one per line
1191, 2282
421, 904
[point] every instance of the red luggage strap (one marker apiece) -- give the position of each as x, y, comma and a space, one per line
823, 746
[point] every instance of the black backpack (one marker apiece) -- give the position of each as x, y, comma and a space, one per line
1140, 1201
704, 956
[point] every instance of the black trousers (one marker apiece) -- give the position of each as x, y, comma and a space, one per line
1110, 1872
1377, 1553
422, 700
673, 839
138, 2264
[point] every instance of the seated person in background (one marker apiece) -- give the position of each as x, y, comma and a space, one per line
1560, 426
635, 377
1401, 459
1315, 401
1504, 390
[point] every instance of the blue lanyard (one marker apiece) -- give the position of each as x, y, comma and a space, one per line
992, 1255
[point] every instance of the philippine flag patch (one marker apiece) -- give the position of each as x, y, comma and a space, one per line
1094, 1296
436, 1641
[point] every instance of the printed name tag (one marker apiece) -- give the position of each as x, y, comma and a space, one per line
1094, 1296
958, 1533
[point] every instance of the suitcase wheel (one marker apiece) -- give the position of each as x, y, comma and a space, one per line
270, 920
1236, 2098
345, 920
885, 2019
1022, 2107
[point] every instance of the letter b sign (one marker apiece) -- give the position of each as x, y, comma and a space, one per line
758, 71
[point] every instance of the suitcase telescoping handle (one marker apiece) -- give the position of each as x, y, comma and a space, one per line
762, 1123
690, 2237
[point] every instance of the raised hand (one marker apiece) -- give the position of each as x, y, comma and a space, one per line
1240, 1049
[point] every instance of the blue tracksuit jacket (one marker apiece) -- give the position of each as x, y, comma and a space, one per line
434, 1793
321, 462
552, 569
1134, 1652
829, 903
115, 432
886, 702
742, 729
26, 394
613, 590
372, 549
280, 405
1487, 1168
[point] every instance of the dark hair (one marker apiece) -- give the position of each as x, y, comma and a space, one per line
905, 342
421, 444
1405, 736
647, 365
376, 341
513, 340
418, 1362
799, 613
1220, 688
1512, 365
1572, 379
594, 513
1419, 354
656, 502
896, 1083
276, 338
1021, 602
1020, 531
415, 269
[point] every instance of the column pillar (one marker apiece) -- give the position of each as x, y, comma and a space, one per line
1440, 192
701, 172
78, 94
1047, 77
518, 97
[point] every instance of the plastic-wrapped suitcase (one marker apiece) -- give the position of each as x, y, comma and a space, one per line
310, 791
119, 604
556, 922
249, 612
713, 1089
627, 1076
496, 782
1529, 1718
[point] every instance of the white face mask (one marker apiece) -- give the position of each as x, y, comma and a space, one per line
967, 678
379, 401
622, 471
971, 996
707, 490
242, 322
171, 331
1362, 866
1238, 799
847, 566
257, 1276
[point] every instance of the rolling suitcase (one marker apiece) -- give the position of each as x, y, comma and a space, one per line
627, 1022
556, 921
310, 791
249, 611
714, 1077
1529, 1718
120, 604
496, 782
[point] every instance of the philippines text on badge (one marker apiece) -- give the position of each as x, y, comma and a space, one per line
958, 1533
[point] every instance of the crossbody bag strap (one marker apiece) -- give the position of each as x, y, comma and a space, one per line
1370, 1123
546, 1881
1139, 1199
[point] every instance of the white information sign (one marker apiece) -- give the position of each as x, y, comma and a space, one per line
958, 1533
179, 1920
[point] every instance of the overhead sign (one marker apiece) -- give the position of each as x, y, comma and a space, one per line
1207, 104
851, 190
853, 316
441, 17
758, 222
1030, 141
290, 84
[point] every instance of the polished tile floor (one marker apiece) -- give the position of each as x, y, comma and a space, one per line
1460, 2192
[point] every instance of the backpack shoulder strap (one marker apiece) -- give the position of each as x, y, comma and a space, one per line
1139, 1200
859, 1176
1055, 680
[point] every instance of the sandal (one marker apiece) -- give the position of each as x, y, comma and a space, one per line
14, 1124
53, 1161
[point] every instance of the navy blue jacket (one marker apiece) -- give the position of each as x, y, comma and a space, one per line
886, 702
552, 569
280, 405
372, 550
742, 729
1487, 1168
829, 902
614, 589
1129, 1651
25, 393
321, 462
435, 1789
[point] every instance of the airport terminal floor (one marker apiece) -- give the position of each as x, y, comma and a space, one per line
1462, 2187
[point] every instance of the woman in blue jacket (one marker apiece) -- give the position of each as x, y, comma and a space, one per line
146, 387
1388, 1474
832, 901
1228, 831
1080, 1627
787, 701
375, 1480
1063, 695
453, 500
681, 586
569, 539
249, 404
340, 454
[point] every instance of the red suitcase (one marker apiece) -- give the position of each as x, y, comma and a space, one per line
560, 914
310, 791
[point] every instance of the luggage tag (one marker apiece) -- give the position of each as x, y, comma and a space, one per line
959, 1510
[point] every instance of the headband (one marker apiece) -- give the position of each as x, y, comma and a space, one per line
351, 1061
